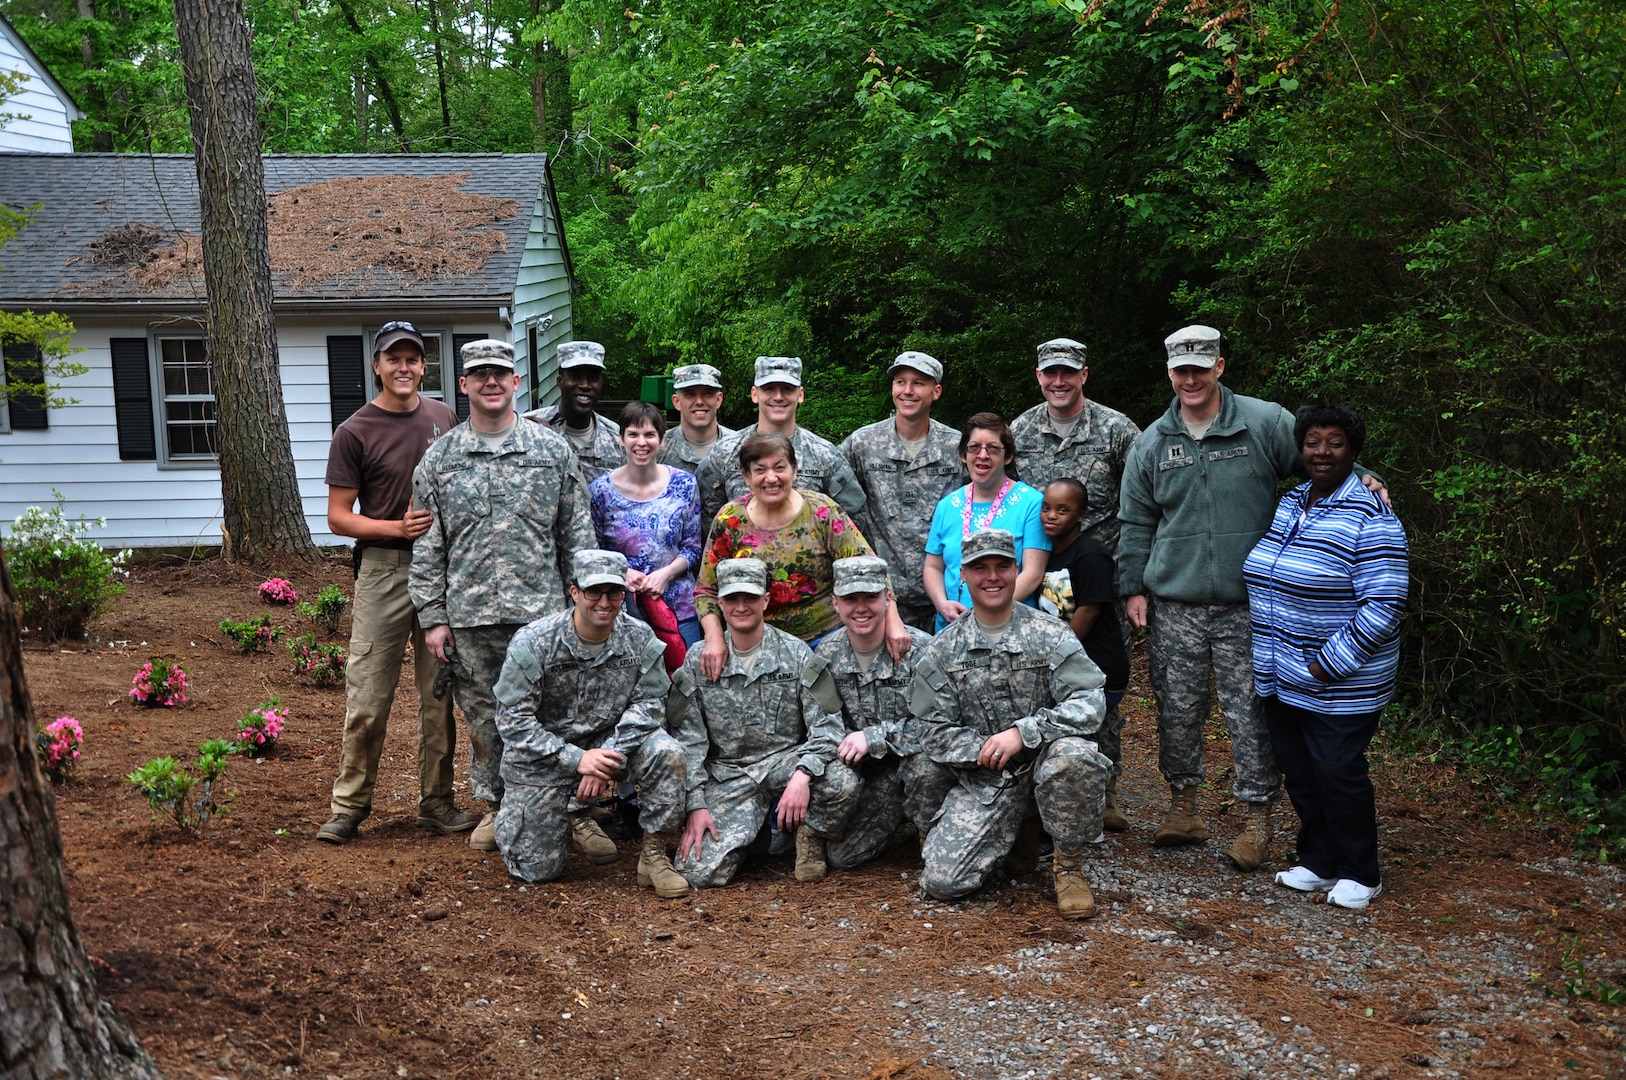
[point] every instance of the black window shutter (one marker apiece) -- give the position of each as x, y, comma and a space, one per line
132, 399
346, 377
23, 366
458, 341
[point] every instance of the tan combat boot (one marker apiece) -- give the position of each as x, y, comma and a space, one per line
809, 855
1024, 854
655, 868
1073, 896
588, 838
1249, 850
1181, 825
1113, 818
484, 836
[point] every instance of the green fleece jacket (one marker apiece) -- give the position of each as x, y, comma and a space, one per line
1191, 511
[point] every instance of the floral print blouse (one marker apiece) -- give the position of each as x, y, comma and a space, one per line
800, 555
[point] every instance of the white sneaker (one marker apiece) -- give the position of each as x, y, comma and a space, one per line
1304, 880
1349, 893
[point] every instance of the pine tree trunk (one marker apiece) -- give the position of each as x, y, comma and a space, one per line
263, 516
53, 1021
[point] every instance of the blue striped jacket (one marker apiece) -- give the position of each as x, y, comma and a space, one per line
1328, 583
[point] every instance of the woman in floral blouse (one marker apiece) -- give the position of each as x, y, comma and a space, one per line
799, 534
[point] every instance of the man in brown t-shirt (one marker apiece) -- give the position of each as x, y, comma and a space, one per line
369, 478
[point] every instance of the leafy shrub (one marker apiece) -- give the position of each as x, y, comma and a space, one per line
257, 732
327, 609
63, 580
189, 799
59, 744
159, 684
278, 591
322, 664
251, 635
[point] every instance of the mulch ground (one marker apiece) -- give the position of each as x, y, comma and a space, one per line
253, 951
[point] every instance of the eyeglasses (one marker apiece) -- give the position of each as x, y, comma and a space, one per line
397, 324
991, 449
605, 592
482, 375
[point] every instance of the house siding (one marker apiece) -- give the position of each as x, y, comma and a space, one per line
43, 121
543, 289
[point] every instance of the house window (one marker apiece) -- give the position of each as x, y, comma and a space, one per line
186, 398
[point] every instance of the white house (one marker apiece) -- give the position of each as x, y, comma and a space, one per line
465, 246
39, 116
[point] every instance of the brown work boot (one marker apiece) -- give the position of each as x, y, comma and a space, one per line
484, 836
1250, 848
1073, 896
655, 868
809, 855
1113, 818
1024, 854
587, 837
339, 829
446, 819
1181, 825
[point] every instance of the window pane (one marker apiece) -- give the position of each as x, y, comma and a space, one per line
433, 384
188, 405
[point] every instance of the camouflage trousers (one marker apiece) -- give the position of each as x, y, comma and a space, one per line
533, 823
982, 814
893, 788
739, 806
477, 658
382, 624
1185, 640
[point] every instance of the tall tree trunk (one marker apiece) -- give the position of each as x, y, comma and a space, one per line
384, 89
53, 1021
440, 73
550, 79
102, 141
262, 512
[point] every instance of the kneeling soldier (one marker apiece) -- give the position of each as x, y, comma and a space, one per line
897, 781
767, 729
1007, 698
579, 706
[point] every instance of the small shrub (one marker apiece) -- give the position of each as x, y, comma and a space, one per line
59, 744
258, 731
251, 635
278, 591
323, 665
327, 609
189, 799
63, 580
160, 683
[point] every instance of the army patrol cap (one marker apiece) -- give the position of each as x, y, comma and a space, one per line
487, 352
1063, 352
860, 574
985, 543
580, 354
595, 566
742, 576
929, 366
1193, 346
781, 369
697, 375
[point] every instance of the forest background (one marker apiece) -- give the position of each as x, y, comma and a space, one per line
1417, 207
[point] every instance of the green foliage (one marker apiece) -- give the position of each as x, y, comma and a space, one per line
322, 664
1577, 984
251, 635
188, 799
327, 609
62, 578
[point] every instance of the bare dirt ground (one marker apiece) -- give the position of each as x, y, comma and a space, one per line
253, 951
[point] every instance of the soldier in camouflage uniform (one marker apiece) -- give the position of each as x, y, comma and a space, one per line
905, 464
580, 706
767, 729
697, 394
510, 509
1069, 435
819, 465
1008, 699
596, 441
898, 782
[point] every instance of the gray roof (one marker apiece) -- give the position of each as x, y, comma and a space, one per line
120, 228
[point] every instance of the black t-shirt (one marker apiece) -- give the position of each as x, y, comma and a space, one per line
1082, 574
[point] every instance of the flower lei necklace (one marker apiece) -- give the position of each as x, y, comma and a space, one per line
967, 523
